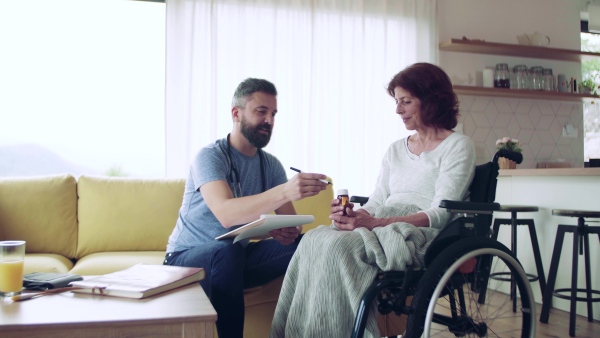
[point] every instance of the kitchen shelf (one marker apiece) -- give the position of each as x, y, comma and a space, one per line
482, 47
522, 93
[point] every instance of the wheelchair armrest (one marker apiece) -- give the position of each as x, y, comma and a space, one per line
359, 199
469, 207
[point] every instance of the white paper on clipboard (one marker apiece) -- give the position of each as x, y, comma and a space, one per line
262, 226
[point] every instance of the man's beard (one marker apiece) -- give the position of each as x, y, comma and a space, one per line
254, 136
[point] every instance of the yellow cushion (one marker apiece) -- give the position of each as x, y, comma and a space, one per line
126, 214
318, 205
46, 263
41, 211
106, 262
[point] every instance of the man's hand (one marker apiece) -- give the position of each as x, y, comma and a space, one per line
304, 185
286, 236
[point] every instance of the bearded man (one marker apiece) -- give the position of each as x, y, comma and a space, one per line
232, 182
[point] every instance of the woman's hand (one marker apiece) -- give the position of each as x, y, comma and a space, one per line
353, 219
337, 209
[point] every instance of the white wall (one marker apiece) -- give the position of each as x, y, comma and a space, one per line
502, 21
536, 123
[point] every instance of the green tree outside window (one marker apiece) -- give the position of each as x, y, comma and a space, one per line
590, 72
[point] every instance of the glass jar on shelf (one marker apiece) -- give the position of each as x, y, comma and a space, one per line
536, 78
520, 77
501, 76
549, 83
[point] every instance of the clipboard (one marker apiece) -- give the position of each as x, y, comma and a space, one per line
261, 227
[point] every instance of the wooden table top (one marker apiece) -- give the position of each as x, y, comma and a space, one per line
550, 172
521, 208
576, 213
186, 304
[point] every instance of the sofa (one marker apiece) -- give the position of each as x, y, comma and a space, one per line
96, 225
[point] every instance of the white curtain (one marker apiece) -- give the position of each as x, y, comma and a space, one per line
330, 60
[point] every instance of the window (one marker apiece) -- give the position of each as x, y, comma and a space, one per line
82, 85
591, 110
330, 60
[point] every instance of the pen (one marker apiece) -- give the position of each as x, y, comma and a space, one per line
299, 171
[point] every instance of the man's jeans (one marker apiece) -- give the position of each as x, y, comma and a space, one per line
231, 268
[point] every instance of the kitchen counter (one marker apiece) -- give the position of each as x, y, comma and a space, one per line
548, 189
551, 172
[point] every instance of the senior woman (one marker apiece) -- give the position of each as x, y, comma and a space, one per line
334, 265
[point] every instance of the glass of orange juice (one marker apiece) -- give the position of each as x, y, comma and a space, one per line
12, 255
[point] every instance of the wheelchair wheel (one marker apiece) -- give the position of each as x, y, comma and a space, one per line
457, 297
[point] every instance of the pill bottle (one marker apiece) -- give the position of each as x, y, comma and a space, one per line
342, 196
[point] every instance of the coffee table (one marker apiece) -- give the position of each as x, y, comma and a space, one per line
185, 311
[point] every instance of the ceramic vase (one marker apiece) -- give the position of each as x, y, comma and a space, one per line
505, 163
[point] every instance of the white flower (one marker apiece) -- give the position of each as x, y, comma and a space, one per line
508, 143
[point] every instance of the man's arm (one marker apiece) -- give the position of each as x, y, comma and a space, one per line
286, 209
232, 211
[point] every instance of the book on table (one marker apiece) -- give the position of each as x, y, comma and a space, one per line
139, 281
260, 228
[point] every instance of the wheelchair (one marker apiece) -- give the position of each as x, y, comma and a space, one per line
456, 293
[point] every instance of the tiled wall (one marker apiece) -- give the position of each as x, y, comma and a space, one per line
537, 124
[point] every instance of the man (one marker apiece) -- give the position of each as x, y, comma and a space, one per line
233, 182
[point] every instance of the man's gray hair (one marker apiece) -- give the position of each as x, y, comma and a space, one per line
250, 86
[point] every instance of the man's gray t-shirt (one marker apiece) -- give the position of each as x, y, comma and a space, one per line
196, 224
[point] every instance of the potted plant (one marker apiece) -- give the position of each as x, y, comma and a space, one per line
510, 144
588, 87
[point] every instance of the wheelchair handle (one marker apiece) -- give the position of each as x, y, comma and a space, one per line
359, 199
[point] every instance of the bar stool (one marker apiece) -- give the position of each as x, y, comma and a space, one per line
581, 241
513, 221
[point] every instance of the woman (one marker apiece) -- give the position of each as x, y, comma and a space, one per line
334, 265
